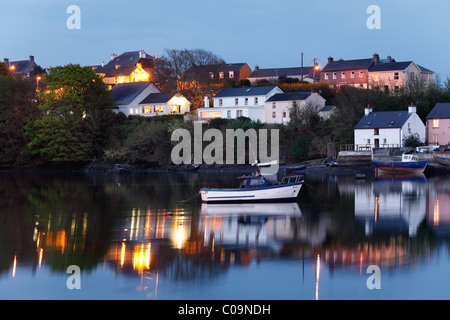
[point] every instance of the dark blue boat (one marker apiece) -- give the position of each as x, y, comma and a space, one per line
409, 164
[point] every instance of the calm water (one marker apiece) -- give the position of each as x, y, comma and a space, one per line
133, 237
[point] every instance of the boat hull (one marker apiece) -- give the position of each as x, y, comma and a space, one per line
401, 166
272, 193
443, 161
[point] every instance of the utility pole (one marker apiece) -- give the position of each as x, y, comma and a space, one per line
302, 68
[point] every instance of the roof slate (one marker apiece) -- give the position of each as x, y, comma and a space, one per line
383, 119
440, 111
153, 98
241, 92
124, 93
348, 65
277, 72
289, 96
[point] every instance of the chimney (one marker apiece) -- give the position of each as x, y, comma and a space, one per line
206, 102
376, 58
31, 58
412, 108
6, 61
113, 56
103, 63
368, 110
142, 54
330, 59
389, 58
256, 68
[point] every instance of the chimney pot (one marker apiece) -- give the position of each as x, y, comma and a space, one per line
330, 59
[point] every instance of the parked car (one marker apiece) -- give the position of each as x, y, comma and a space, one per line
330, 162
424, 149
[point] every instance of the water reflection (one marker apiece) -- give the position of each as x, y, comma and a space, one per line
138, 226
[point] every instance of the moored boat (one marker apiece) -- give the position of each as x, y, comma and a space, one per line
409, 163
441, 160
255, 188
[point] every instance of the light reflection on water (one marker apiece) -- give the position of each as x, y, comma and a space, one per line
134, 237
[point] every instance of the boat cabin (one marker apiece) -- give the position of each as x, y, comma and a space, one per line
409, 158
249, 182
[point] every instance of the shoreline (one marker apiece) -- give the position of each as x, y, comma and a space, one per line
313, 167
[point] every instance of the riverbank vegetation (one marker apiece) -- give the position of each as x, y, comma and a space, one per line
70, 116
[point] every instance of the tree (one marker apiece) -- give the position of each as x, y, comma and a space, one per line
77, 111
17, 110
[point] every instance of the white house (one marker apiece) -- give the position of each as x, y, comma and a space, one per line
237, 102
387, 128
128, 96
164, 103
277, 107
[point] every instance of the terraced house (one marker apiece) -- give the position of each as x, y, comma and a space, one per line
386, 75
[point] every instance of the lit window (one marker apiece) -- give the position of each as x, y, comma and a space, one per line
147, 110
211, 75
435, 123
175, 109
221, 76
231, 74
376, 77
159, 109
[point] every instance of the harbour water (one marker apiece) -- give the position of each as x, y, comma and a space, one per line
134, 237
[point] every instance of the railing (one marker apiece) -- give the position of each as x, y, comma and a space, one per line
292, 179
366, 147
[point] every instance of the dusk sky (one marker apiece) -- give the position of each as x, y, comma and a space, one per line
266, 33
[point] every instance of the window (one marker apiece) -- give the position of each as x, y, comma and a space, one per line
435, 123
284, 114
396, 76
274, 114
228, 114
368, 141
147, 110
376, 77
221, 76
220, 102
326, 76
360, 74
396, 89
159, 109
256, 101
131, 110
412, 75
211, 114
384, 140
231, 74
386, 89
352, 74
246, 101
376, 131
211, 75
236, 101
274, 105
343, 75
238, 113
426, 76
175, 109
436, 139
334, 75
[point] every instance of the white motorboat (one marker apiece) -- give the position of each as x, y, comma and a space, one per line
255, 188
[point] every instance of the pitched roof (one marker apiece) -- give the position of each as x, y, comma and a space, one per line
127, 62
440, 111
383, 119
348, 65
390, 66
124, 93
277, 72
153, 98
289, 96
241, 92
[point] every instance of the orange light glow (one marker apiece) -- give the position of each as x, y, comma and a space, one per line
317, 275
141, 258
139, 74
14, 266
12, 68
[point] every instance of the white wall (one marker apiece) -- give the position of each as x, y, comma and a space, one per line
134, 105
